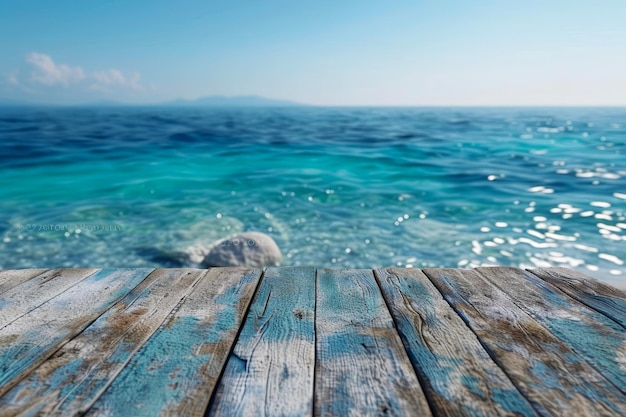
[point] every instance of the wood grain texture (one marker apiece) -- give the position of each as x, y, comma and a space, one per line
70, 381
458, 375
175, 371
24, 298
598, 339
603, 298
31, 339
270, 372
361, 366
555, 379
10, 278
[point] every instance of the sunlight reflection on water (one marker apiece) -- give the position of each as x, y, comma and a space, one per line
335, 187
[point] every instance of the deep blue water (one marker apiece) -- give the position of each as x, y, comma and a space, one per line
335, 187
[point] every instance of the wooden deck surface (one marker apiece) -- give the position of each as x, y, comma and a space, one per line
307, 342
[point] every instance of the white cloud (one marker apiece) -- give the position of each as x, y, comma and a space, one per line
48, 73
12, 79
115, 78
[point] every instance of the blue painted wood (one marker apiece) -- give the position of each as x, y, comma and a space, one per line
603, 298
70, 381
598, 339
175, 371
28, 341
24, 298
458, 375
10, 278
55, 359
270, 372
361, 366
555, 379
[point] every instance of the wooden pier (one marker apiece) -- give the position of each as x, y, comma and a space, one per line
307, 342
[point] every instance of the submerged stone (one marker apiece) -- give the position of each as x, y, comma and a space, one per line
252, 249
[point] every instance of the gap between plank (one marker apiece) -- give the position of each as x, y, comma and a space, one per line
485, 347
232, 347
14, 382
313, 410
60, 272
432, 408
86, 409
580, 300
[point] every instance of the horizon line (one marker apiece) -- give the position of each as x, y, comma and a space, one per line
306, 105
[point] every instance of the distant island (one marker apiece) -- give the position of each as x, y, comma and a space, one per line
209, 101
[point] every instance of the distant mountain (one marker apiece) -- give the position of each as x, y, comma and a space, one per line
238, 101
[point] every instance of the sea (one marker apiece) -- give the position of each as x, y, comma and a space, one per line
334, 187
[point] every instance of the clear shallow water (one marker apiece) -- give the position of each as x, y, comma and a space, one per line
358, 188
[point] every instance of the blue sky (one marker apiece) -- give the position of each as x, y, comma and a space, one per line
396, 52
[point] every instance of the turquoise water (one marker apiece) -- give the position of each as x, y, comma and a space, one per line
335, 187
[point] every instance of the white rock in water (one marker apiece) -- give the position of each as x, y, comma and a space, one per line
244, 249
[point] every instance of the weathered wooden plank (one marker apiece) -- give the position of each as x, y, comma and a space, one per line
31, 339
270, 372
361, 366
10, 278
458, 375
70, 381
551, 376
175, 371
24, 298
603, 298
598, 339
